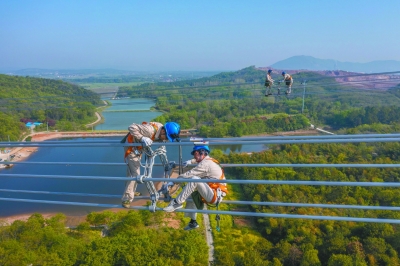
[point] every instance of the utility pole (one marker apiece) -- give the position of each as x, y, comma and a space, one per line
8, 138
47, 126
304, 93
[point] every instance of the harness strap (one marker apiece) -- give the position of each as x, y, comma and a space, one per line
155, 127
131, 140
217, 188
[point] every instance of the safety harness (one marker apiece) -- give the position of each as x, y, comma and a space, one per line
220, 191
288, 77
130, 139
217, 187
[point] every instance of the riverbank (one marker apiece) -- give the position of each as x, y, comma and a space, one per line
22, 153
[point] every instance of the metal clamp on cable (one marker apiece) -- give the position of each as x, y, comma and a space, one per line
171, 165
139, 179
153, 205
164, 192
220, 194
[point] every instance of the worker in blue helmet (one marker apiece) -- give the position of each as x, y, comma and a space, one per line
206, 168
172, 131
288, 79
268, 83
144, 133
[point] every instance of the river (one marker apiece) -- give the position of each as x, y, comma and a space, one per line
124, 112
120, 115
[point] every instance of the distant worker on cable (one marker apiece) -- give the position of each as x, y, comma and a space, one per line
145, 133
288, 81
212, 193
268, 83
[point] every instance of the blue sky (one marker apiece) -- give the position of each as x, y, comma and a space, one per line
193, 35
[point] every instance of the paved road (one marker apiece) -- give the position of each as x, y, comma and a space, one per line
209, 237
95, 122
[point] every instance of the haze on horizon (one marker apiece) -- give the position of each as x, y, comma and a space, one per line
193, 36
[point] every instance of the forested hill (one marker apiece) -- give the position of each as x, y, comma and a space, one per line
63, 105
233, 103
249, 74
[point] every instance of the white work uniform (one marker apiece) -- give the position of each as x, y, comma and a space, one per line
206, 169
268, 83
138, 131
288, 81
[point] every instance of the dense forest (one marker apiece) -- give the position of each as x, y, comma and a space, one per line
307, 242
63, 105
134, 238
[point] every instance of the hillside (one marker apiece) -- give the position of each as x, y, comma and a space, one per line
62, 105
316, 64
233, 103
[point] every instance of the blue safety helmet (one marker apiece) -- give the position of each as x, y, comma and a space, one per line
283, 73
172, 131
269, 71
199, 148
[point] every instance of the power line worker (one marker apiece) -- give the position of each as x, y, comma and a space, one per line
268, 83
212, 193
144, 133
288, 81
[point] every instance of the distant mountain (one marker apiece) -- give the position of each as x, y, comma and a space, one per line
312, 63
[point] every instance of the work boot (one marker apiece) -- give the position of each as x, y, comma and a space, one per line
126, 204
173, 205
137, 193
266, 95
192, 225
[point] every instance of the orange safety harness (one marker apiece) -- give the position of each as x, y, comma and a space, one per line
288, 77
131, 140
215, 186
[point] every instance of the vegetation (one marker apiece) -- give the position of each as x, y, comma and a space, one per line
233, 104
133, 238
63, 105
315, 242
141, 237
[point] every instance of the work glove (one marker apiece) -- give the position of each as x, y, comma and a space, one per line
170, 184
184, 164
147, 141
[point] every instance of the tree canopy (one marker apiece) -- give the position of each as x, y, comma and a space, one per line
42, 100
